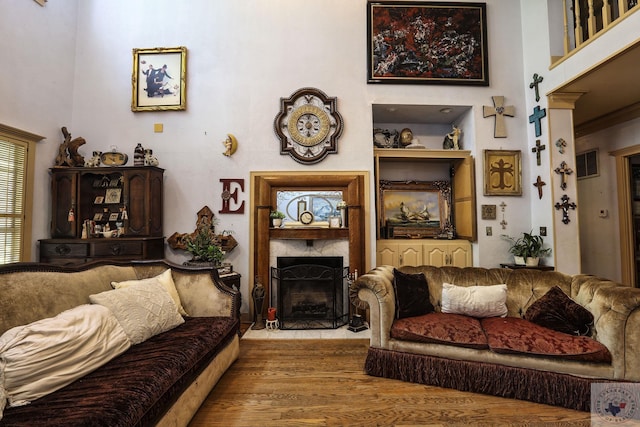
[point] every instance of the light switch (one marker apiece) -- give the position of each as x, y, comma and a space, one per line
489, 231
158, 127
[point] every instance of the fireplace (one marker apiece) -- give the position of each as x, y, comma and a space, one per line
310, 292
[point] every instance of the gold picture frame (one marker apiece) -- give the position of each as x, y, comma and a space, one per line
159, 79
502, 173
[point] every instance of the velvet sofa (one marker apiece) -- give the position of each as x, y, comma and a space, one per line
518, 358
158, 379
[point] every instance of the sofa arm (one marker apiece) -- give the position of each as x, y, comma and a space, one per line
375, 291
616, 312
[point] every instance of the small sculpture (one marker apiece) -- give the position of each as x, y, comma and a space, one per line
94, 161
231, 145
258, 295
138, 155
452, 139
149, 158
68, 151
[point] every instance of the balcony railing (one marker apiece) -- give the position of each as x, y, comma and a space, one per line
586, 19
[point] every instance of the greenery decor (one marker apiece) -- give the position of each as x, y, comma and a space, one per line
204, 246
276, 215
528, 245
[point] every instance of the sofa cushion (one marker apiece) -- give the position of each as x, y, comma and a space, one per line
476, 301
46, 355
516, 335
143, 310
412, 294
165, 279
555, 310
441, 328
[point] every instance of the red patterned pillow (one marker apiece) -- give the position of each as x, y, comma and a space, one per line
515, 335
441, 328
555, 310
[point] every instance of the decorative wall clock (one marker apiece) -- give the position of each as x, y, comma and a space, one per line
308, 125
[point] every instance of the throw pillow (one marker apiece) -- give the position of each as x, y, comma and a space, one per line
475, 301
412, 294
555, 310
46, 355
165, 279
143, 309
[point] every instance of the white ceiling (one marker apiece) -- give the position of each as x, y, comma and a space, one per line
433, 114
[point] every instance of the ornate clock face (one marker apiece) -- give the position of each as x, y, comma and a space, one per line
308, 125
306, 217
113, 158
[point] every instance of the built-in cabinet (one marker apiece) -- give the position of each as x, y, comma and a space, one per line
129, 199
439, 253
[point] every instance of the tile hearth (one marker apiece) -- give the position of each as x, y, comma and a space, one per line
339, 333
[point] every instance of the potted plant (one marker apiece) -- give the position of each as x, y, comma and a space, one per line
527, 249
204, 247
276, 218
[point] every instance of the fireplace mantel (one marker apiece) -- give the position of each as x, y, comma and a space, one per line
264, 185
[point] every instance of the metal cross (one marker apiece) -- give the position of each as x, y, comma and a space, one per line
561, 143
503, 223
502, 206
534, 84
499, 110
563, 170
539, 183
535, 118
565, 206
537, 149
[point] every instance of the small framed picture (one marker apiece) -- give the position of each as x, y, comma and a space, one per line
112, 195
98, 200
114, 216
97, 216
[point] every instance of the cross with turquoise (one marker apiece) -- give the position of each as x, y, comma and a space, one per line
535, 118
565, 206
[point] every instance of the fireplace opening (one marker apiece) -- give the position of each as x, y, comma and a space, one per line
310, 292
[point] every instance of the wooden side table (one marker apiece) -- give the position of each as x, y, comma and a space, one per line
537, 267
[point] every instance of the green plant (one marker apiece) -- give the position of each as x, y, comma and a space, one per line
528, 245
204, 246
276, 214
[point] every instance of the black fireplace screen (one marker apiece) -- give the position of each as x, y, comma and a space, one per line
310, 292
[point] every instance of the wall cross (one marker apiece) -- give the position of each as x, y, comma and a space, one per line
537, 149
539, 184
534, 85
563, 170
561, 144
535, 118
565, 206
499, 110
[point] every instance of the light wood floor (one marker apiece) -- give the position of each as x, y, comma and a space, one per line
321, 383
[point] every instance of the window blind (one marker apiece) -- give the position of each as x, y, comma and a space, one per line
13, 169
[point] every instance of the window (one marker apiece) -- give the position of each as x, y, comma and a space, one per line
587, 164
16, 193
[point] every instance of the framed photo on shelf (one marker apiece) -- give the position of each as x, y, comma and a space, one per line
502, 173
427, 43
159, 79
112, 195
415, 209
98, 200
97, 216
114, 216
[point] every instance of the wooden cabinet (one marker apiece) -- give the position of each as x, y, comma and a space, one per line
439, 253
129, 198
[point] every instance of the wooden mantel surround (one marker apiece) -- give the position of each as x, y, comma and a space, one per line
264, 185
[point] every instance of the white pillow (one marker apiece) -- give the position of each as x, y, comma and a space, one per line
46, 355
475, 301
143, 309
165, 279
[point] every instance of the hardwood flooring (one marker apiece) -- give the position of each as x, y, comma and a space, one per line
322, 383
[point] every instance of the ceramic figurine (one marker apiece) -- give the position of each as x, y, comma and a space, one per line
138, 155
149, 158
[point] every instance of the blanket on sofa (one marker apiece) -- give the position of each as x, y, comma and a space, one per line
135, 388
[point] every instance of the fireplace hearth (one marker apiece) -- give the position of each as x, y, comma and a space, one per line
310, 292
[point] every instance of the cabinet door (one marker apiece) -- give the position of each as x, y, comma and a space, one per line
435, 254
409, 254
464, 200
460, 254
64, 189
387, 253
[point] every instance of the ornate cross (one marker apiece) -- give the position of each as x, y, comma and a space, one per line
503, 223
539, 183
501, 168
534, 84
565, 206
535, 118
537, 149
563, 170
499, 110
561, 143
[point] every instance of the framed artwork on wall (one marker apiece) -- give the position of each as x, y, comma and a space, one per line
415, 209
502, 173
159, 79
427, 43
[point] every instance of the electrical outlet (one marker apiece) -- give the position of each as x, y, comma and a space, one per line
543, 231
489, 231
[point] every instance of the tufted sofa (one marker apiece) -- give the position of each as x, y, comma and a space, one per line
560, 381
160, 381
